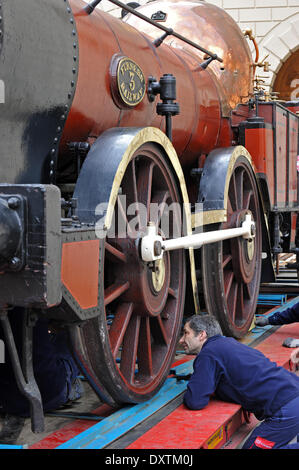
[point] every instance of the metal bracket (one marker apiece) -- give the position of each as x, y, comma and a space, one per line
79, 150
24, 373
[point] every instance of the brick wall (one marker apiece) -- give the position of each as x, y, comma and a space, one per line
275, 25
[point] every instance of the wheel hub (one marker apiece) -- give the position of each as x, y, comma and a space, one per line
149, 282
243, 250
158, 275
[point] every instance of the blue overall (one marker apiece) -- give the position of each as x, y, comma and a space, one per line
53, 365
240, 374
289, 315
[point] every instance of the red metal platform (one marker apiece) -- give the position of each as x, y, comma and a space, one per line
215, 425
219, 424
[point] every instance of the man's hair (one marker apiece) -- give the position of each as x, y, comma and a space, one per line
206, 323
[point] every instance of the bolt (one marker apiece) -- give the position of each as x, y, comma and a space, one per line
253, 229
15, 263
157, 248
13, 202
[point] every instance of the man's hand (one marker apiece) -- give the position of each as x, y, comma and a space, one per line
291, 343
295, 356
261, 321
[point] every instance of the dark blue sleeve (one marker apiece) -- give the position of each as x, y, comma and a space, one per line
202, 383
290, 315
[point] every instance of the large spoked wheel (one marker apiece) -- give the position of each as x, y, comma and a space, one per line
231, 269
130, 347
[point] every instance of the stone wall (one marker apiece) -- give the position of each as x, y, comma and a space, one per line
275, 25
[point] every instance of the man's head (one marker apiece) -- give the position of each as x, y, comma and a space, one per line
197, 330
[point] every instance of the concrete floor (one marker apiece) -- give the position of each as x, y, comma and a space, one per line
86, 404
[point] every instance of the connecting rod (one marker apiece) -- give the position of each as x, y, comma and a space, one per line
153, 246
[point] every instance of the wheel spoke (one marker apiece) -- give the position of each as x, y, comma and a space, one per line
240, 302
130, 347
227, 258
232, 301
158, 206
132, 190
119, 326
229, 209
144, 185
145, 361
232, 194
134, 180
114, 254
124, 227
239, 182
248, 194
172, 293
228, 279
114, 291
247, 293
158, 331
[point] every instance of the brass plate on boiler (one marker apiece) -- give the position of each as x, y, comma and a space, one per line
127, 82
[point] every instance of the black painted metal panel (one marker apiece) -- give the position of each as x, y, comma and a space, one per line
212, 184
99, 169
38, 284
39, 75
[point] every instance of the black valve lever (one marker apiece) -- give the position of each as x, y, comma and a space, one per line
166, 88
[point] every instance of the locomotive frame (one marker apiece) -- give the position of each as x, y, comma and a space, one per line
237, 161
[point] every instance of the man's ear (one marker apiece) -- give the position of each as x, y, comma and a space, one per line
203, 335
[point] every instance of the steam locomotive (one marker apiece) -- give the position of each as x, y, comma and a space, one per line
125, 146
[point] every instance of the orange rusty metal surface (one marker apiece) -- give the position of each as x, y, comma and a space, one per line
215, 30
204, 96
80, 271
